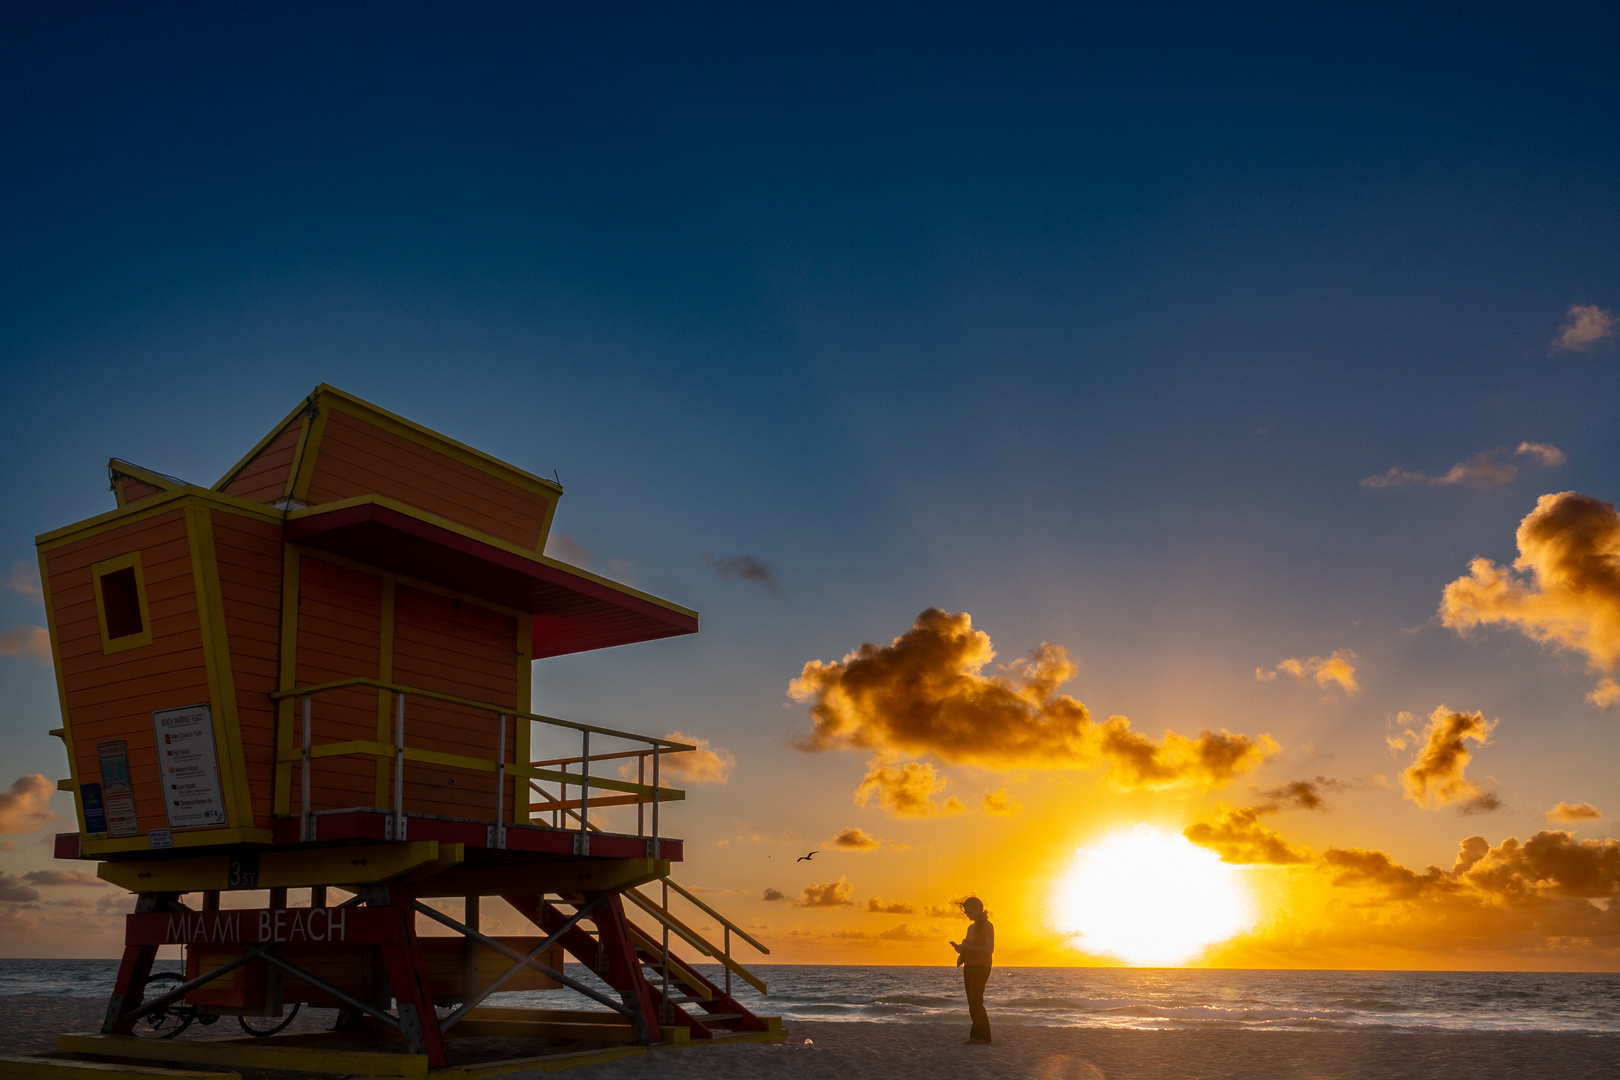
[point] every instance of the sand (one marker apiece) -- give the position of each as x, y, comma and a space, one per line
854, 1050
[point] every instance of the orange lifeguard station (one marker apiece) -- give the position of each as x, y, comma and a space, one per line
316, 675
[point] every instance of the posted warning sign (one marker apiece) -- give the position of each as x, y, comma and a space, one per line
190, 767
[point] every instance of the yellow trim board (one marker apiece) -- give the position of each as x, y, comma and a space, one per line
35, 1067
188, 838
110, 644
235, 470
152, 506
425, 436
66, 730
245, 1054
350, 865
217, 661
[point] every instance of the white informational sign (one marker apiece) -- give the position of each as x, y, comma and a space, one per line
190, 767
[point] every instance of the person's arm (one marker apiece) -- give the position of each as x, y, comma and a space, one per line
979, 945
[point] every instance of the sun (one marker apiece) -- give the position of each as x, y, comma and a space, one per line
1150, 898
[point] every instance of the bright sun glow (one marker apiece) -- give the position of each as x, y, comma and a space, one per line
1150, 898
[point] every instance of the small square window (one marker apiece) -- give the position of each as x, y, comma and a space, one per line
121, 603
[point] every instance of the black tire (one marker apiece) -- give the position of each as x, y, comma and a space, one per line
175, 1018
265, 1033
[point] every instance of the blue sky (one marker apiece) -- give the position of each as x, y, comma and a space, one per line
1086, 322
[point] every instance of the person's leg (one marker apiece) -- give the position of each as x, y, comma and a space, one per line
974, 979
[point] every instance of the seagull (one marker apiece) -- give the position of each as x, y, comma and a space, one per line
807, 858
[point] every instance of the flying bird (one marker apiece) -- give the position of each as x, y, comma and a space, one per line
806, 858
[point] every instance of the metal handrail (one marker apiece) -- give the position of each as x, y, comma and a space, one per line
399, 753
721, 919
340, 684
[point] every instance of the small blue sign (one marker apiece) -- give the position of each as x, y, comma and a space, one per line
95, 813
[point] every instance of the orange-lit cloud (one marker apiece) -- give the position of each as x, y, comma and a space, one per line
704, 765
1584, 325
878, 906
564, 547
905, 790
25, 579
831, 894
925, 693
1238, 837
999, 804
1486, 469
1566, 812
855, 838
1563, 589
25, 640
1337, 669
1605, 694
27, 806
1435, 777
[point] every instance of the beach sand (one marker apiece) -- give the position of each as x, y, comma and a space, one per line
856, 1050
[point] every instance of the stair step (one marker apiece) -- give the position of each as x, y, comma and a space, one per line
710, 1018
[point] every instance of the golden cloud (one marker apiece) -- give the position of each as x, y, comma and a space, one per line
1435, 777
1485, 469
878, 906
1566, 812
855, 838
832, 894
1584, 325
27, 806
1238, 837
1546, 453
905, 790
25, 640
999, 804
1563, 589
704, 765
1337, 669
925, 693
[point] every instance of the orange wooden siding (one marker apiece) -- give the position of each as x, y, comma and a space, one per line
458, 648
249, 554
339, 637
264, 479
114, 696
131, 490
356, 457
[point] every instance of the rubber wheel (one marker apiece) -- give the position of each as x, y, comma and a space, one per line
265, 1033
176, 1017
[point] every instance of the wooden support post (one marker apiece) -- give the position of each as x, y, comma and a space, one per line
408, 980
610, 954
469, 965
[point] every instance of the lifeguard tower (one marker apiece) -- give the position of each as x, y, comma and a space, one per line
315, 675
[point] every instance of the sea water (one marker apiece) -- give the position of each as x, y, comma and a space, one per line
1096, 997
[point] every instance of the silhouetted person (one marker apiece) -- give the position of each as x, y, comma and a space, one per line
973, 957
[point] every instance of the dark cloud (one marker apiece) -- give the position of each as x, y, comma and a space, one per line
925, 693
1238, 837
13, 891
749, 568
773, 895
905, 932
1299, 795
62, 877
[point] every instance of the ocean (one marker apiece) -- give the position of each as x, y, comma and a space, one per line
1166, 998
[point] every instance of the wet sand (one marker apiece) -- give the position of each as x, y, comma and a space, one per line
856, 1050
